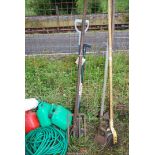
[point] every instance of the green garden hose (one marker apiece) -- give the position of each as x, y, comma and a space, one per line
46, 141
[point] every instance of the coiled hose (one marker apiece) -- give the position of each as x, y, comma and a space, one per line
46, 141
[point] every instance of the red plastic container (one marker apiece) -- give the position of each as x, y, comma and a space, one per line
31, 121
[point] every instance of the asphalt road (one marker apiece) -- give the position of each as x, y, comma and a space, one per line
68, 42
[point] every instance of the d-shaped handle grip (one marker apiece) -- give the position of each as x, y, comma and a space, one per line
79, 21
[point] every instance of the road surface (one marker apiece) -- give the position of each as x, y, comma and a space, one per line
68, 42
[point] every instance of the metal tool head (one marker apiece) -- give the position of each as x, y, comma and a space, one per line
106, 135
100, 137
80, 129
104, 138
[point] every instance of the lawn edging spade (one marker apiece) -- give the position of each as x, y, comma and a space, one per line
109, 135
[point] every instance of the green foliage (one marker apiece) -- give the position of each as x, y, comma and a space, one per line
121, 5
96, 6
40, 7
79, 6
101, 6
29, 9
48, 7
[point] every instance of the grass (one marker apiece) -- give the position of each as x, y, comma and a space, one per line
54, 80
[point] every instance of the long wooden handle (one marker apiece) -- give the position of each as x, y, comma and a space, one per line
110, 42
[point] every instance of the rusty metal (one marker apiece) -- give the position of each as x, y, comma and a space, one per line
81, 122
100, 139
76, 125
